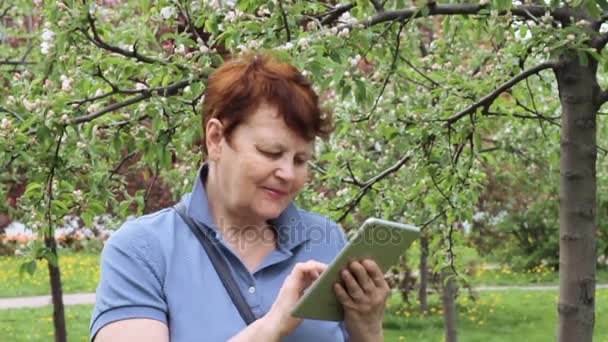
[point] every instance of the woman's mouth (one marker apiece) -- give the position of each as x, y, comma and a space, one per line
275, 193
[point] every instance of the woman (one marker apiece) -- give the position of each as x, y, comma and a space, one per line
261, 118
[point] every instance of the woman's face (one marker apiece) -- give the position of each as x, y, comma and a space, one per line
263, 167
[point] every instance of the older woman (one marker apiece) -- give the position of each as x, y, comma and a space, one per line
157, 283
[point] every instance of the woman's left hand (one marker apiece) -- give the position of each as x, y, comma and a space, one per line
363, 296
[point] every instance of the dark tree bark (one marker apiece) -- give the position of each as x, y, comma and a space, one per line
424, 272
448, 284
578, 92
61, 334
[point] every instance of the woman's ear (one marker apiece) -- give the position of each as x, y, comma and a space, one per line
214, 137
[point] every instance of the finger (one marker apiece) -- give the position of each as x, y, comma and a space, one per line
375, 273
342, 295
352, 287
361, 274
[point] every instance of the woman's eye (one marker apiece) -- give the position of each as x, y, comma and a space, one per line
271, 154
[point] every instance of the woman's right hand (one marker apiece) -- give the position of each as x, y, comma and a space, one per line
300, 278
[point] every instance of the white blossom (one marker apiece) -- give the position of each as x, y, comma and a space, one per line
344, 33
167, 12
203, 49
48, 40
5, 124
140, 86
570, 37
311, 25
10, 100
65, 119
29, 106
180, 49
93, 108
66, 83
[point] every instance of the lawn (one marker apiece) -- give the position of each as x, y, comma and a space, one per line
496, 316
79, 273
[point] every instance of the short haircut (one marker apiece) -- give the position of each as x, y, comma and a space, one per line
237, 88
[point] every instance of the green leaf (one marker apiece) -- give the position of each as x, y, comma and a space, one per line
32, 188
593, 9
50, 257
603, 4
29, 267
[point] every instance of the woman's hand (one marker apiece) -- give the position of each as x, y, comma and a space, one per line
300, 278
363, 297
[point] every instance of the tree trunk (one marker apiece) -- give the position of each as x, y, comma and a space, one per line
424, 272
448, 283
578, 90
57, 295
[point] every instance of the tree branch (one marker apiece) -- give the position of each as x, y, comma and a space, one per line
388, 76
122, 162
366, 187
96, 39
487, 100
15, 62
285, 22
145, 93
11, 112
524, 11
334, 14
601, 98
377, 6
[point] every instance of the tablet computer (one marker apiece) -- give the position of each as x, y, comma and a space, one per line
381, 240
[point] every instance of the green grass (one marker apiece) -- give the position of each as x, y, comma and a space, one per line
537, 276
79, 273
498, 316
495, 316
33, 325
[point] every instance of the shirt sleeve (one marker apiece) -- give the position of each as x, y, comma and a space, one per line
130, 284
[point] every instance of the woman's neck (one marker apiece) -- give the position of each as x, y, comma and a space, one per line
234, 227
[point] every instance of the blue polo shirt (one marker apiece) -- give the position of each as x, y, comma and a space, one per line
154, 267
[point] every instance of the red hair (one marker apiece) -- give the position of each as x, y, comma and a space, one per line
237, 88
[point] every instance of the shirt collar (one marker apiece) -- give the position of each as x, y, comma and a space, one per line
291, 230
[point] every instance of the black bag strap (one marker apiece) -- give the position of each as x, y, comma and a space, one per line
219, 264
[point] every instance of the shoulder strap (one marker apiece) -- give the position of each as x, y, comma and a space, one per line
219, 264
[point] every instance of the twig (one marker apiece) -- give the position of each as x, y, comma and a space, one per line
122, 162
427, 223
419, 72
15, 62
388, 76
352, 175
441, 191
150, 185
285, 22
11, 112
522, 116
368, 185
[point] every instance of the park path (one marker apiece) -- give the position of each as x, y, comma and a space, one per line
89, 298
